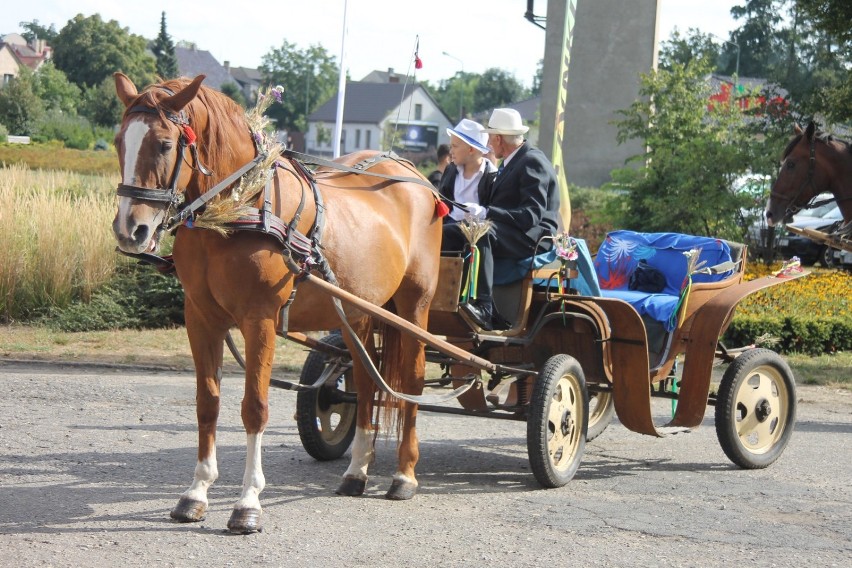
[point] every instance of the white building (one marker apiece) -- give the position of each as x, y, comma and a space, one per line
380, 116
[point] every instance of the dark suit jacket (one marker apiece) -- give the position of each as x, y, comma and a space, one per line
525, 194
447, 186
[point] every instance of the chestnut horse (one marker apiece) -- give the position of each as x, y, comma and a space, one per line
812, 163
381, 240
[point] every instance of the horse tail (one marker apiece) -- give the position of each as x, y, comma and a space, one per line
391, 368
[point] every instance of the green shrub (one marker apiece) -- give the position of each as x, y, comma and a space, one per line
139, 297
73, 131
4, 134
794, 333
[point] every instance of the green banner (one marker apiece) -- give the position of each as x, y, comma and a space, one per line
562, 98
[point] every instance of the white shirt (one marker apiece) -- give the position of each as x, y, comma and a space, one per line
510, 156
467, 190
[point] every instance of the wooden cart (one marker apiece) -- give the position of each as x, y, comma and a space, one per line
569, 363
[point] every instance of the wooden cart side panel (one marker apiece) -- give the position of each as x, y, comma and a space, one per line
580, 340
631, 386
708, 326
446, 298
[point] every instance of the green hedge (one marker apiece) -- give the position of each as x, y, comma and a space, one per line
794, 334
139, 297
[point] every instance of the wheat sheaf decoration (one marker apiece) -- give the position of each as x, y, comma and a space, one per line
227, 208
473, 229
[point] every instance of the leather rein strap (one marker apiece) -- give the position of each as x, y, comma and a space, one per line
361, 168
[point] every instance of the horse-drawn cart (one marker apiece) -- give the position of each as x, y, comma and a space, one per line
259, 222
571, 361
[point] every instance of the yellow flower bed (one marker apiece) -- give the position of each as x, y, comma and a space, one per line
821, 294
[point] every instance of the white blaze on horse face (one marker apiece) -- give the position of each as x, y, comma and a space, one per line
134, 134
253, 480
362, 454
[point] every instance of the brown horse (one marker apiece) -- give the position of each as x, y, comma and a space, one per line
381, 240
811, 164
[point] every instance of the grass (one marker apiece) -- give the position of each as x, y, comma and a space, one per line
57, 243
57, 157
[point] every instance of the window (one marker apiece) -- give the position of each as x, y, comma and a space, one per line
7, 77
357, 137
367, 141
418, 112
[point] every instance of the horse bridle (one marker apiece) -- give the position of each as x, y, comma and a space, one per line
171, 196
792, 208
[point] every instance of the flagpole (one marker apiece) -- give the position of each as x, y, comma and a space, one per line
341, 88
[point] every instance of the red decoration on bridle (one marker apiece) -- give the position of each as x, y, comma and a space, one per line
188, 134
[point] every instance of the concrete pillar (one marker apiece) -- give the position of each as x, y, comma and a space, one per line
614, 41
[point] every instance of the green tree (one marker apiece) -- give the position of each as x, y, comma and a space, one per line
101, 105
535, 91
35, 30
20, 107
832, 16
455, 95
164, 51
832, 19
759, 47
694, 152
496, 88
233, 91
679, 49
309, 77
55, 90
88, 50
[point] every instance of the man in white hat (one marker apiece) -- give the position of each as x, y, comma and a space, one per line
523, 205
468, 178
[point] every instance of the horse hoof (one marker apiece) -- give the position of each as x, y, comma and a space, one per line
188, 511
245, 521
401, 490
351, 486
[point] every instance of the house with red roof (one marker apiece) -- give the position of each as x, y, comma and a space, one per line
17, 52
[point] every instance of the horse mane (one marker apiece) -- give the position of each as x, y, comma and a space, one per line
823, 137
216, 148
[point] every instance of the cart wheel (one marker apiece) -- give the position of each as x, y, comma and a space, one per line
601, 411
326, 427
756, 408
557, 422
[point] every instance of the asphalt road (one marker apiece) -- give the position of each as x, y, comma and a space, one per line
92, 459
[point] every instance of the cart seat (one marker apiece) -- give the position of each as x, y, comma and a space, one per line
621, 252
508, 271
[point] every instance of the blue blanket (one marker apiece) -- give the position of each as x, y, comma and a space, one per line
621, 251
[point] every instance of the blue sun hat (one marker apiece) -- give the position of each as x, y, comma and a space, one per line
471, 133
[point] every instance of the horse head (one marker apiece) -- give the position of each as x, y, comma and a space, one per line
796, 183
157, 128
812, 163
154, 132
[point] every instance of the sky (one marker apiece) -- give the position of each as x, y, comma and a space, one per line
454, 35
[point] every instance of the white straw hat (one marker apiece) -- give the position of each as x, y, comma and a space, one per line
506, 121
472, 134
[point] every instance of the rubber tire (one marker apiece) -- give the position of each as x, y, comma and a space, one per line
601, 415
319, 444
558, 372
826, 257
767, 370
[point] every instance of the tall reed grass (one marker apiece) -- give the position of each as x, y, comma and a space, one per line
56, 243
